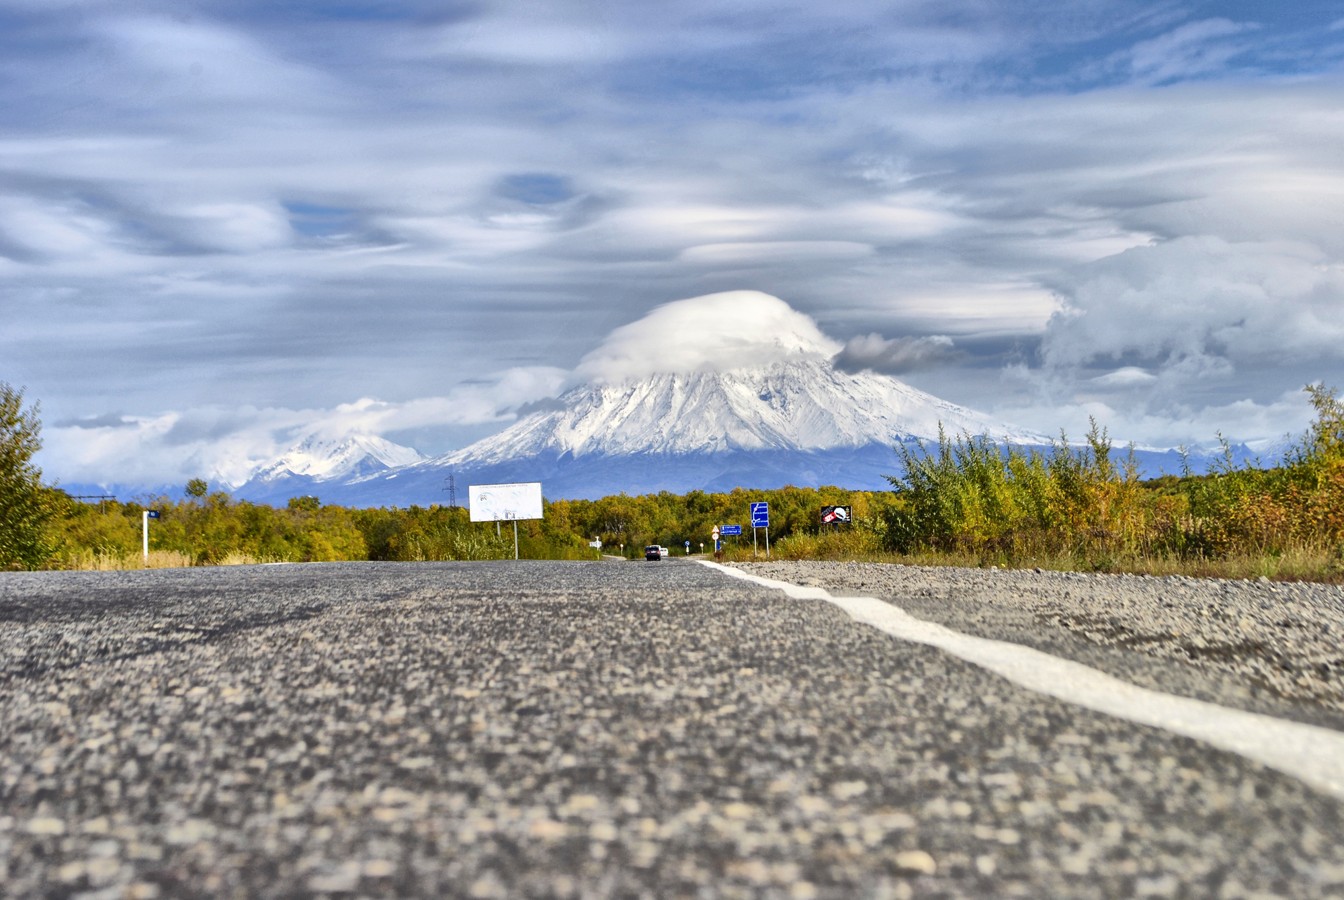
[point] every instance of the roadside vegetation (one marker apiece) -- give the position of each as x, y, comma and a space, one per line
1084, 507
962, 501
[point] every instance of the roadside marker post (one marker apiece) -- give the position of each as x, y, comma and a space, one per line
144, 529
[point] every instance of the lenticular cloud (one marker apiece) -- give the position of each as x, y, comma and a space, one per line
717, 332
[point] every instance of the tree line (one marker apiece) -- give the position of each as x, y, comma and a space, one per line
960, 500
210, 528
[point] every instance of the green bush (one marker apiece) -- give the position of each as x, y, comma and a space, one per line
26, 505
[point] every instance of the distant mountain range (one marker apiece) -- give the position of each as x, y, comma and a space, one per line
802, 422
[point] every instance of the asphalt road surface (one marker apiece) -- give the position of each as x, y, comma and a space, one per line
582, 730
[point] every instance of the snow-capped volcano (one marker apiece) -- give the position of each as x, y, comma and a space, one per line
800, 421
805, 404
716, 392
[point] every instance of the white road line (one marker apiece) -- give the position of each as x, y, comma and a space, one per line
1313, 755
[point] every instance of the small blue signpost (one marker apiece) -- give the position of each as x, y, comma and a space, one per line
760, 518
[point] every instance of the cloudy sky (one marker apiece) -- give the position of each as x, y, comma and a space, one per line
224, 225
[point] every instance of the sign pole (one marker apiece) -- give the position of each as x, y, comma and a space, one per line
760, 518
515, 538
144, 530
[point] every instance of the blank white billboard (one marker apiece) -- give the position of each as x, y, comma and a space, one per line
503, 502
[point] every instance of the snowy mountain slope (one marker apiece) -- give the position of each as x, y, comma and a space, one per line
803, 405
325, 459
323, 463
800, 422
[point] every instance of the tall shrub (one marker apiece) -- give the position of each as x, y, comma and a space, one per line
971, 495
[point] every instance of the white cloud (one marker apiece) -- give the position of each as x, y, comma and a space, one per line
1258, 424
1201, 303
195, 60
533, 42
1195, 48
768, 252
895, 355
490, 400
1125, 377
1180, 341
226, 445
724, 331
234, 227
60, 228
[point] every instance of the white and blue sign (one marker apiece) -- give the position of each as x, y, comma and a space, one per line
760, 515
731, 531
152, 513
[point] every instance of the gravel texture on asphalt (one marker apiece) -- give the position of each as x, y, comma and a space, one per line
580, 729
1262, 646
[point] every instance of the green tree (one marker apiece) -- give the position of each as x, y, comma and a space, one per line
25, 505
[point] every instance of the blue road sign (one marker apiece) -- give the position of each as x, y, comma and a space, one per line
731, 530
760, 515
152, 513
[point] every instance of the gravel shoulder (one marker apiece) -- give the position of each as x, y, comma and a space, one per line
1260, 646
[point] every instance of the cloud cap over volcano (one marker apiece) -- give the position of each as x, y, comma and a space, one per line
715, 332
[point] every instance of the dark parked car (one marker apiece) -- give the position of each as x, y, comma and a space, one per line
653, 551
